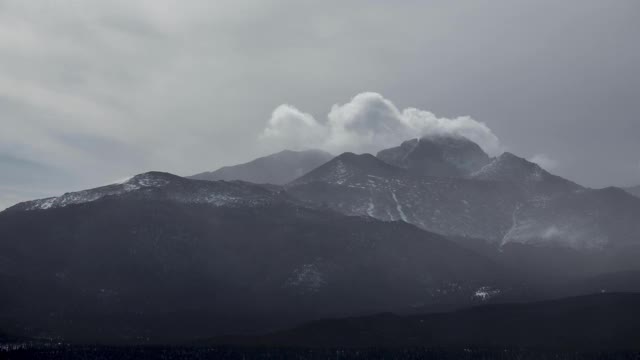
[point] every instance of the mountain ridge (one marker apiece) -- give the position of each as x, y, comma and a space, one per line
278, 168
511, 168
161, 185
510, 199
567, 323
345, 166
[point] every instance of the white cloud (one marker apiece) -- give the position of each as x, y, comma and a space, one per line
544, 161
368, 123
291, 126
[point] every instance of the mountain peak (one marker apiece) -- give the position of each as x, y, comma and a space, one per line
356, 158
295, 152
515, 160
345, 166
511, 157
152, 178
511, 168
277, 169
437, 155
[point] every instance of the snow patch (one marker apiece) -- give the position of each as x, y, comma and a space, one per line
403, 216
341, 173
485, 293
371, 208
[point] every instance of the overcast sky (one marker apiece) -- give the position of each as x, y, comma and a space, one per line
94, 91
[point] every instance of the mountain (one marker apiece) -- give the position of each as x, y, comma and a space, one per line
593, 322
562, 212
160, 258
530, 176
635, 190
365, 185
162, 186
588, 219
437, 155
346, 167
278, 169
508, 200
553, 271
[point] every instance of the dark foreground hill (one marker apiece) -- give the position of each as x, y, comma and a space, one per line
161, 258
603, 321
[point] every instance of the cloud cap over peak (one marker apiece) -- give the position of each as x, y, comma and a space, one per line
368, 123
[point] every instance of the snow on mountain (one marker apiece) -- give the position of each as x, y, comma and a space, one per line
508, 200
161, 186
511, 168
365, 185
346, 167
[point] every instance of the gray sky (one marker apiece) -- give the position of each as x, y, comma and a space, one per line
94, 91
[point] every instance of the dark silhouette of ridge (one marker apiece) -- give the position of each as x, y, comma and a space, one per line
601, 321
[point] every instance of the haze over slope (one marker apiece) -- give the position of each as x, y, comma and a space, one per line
278, 169
634, 190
